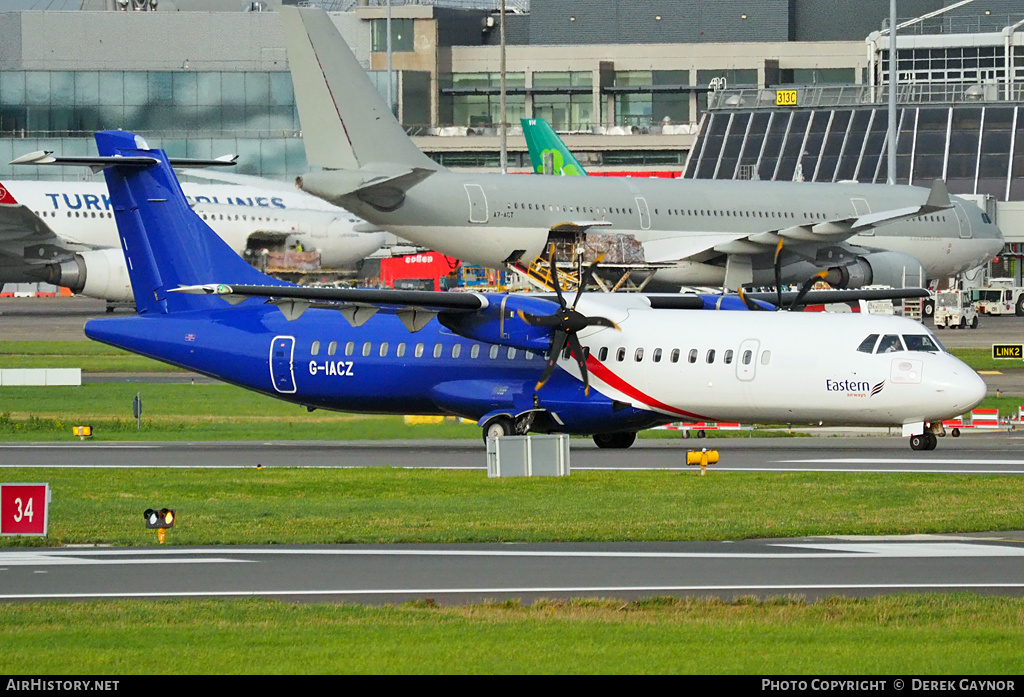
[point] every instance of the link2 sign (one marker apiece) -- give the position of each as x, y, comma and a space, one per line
24, 509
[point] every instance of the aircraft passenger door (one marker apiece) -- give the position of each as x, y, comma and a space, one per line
282, 374
963, 220
746, 360
477, 203
645, 214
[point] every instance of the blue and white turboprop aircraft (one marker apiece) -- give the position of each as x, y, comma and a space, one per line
618, 363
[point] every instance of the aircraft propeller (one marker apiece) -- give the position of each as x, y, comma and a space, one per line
567, 322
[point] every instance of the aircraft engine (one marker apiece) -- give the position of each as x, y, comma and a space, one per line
879, 268
97, 274
500, 323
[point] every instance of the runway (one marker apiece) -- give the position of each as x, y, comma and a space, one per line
811, 568
976, 453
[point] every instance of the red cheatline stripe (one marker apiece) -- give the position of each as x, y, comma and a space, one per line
600, 371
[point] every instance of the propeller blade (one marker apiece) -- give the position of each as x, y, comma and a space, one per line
557, 344
806, 287
778, 273
749, 302
583, 277
540, 320
581, 361
554, 275
601, 322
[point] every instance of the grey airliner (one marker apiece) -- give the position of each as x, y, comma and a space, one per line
703, 232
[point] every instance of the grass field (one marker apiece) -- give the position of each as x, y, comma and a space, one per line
901, 635
914, 634
393, 505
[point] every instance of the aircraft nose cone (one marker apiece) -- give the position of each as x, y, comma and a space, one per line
967, 390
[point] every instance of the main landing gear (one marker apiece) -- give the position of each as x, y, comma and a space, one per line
925, 441
615, 440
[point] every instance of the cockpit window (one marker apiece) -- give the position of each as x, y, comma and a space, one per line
985, 219
889, 344
868, 344
920, 342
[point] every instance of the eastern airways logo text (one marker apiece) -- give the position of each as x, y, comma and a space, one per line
859, 388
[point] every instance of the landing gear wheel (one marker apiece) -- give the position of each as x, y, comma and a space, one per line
925, 441
700, 433
615, 440
498, 427
955, 433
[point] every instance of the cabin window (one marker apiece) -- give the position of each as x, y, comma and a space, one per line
350, 348
692, 358
456, 350
920, 342
418, 352
766, 357
868, 345
620, 354
475, 351
493, 353
566, 353
710, 358
332, 348
747, 357
511, 353
639, 355
438, 350
602, 353
728, 357
384, 349
315, 349
367, 347
656, 356
529, 355
890, 343
400, 351
674, 357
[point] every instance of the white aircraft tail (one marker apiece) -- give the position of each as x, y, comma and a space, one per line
345, 122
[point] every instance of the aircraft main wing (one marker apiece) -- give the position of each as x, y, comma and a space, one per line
26, 242
765, 242
415, 308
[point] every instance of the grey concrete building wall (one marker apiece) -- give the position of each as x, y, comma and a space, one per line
842, 20
658, 21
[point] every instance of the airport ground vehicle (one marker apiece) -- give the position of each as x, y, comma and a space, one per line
955, 309
999, 297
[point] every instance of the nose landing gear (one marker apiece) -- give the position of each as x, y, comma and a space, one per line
925, 441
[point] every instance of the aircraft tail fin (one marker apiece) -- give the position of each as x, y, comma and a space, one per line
165, 243
345, 122
548, 153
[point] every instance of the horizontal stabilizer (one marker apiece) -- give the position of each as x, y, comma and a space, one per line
383, 191
98, 164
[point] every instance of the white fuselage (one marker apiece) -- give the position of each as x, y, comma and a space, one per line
80, 214
775, 367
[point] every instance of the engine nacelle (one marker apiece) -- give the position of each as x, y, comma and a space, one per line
97, 274
882, 269
499, 322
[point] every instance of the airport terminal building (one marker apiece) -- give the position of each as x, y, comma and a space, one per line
727, 89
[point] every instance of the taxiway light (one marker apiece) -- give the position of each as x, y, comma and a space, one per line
702, 457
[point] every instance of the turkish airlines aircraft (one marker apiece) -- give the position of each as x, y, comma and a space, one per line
64, 232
